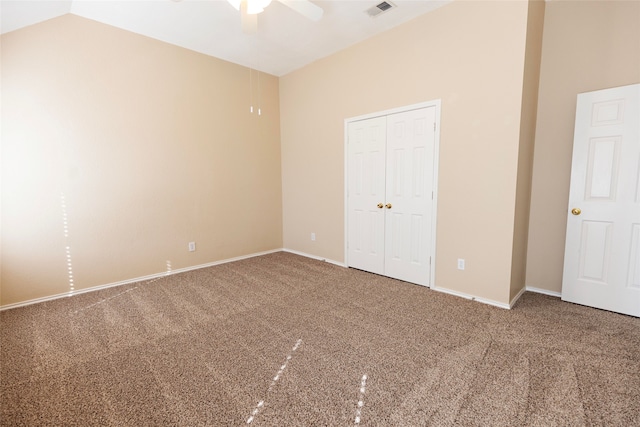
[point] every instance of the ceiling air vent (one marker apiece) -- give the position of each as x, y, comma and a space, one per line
380, 8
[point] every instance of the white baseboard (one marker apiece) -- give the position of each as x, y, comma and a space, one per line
135, 280
330, 261
444, 290
517, 297
543, 291
472, 298
211, 264
496, 303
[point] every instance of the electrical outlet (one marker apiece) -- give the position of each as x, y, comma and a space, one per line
460, 264
313, 237
192, 246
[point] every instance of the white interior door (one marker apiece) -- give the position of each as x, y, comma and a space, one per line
366, 186
409, 192
390, 182
602, 255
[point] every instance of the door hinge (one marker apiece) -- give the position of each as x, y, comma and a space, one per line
434, 126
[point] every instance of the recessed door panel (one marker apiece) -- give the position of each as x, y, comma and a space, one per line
374, 179
358, 174
608, 113
603, 168
595, 250
372, 236
366, 240
399, 130
398, 171
419, 170
396, 236
357, 242
417, 243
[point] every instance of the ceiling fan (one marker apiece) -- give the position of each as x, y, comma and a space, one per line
249, 10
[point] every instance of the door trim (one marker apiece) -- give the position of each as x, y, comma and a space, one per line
436, 161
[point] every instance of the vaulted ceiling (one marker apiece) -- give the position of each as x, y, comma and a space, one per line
285, 40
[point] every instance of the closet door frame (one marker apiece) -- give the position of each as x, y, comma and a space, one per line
437, 105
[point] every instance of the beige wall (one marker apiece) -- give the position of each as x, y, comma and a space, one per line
151, 145
533, 52
587, 45
469, 54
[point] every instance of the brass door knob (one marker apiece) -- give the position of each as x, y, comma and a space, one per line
380, 206
388, 206
576, 211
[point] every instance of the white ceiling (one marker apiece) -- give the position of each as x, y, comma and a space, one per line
285, 40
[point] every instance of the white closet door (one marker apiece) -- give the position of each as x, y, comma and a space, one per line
366, 186
602, 252
409, 195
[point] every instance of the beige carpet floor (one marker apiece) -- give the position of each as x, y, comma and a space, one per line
281, 340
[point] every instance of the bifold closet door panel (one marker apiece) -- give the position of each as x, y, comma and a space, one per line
409, 191
366, 154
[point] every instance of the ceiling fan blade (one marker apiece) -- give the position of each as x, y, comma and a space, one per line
305, 8
249, 21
